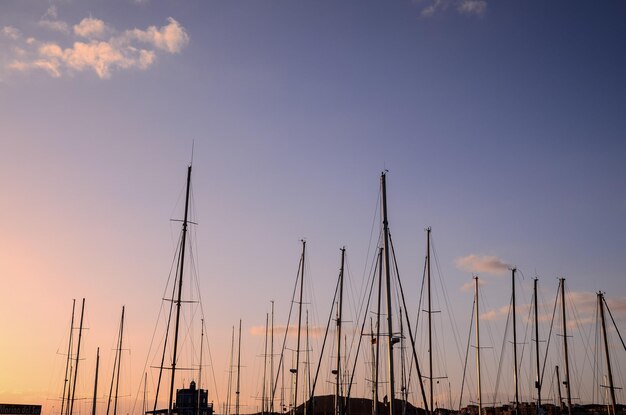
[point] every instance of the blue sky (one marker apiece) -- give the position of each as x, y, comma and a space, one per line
501, 124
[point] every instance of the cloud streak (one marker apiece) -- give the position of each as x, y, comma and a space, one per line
487, 264
96, 47
466, 7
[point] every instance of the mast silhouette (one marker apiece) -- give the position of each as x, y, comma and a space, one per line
272, 359
515, 374
338, 400
180, 289
295, 371
67, 361
430, 331
538, 380
237, 391
388, 292
566, 382
115, 377
80, 335
95, 384
606, 353
263, 397
477, 322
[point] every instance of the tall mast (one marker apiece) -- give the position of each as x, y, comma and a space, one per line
263, 399
515, 375
116, 367
538, 380
566, 382
80, 335
145, 383
95, 384
606, 352
295, 391
180, 289
230, 372
272, 360
430, 331
67, 361
201, 346
238, 372
388, 292
480, 391
338, 400
119, 362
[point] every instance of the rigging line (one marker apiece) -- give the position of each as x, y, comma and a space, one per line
545, 358
499, 372
330, 317
586, 341
282, 351
467, 352
417, 366
369, 246
614, 324
524, 342
167, 330
419, 309
365, 300
367, 305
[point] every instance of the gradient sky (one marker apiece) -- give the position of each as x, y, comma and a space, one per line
501, 124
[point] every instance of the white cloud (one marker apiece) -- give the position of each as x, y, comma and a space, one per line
482, 264
134, 48
171, 37
91, 28
476, 7
11, 32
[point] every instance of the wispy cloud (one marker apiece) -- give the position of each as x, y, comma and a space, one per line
50, 20
466, 7
469, 286
482, 264
93, 45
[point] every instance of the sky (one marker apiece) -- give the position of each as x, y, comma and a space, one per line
501, 125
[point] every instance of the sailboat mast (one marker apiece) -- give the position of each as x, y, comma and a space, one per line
513, 311
430, 330
199, 398
119, 362
295, 391
80, 335
238, 372
538, 381
480, 391
95, 383
230, 372
180, 289
567, 378
558, 386
606, 352
272, 359
263, 398
67, 361
388, 292
338, 402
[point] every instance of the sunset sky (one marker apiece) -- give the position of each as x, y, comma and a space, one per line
502, 125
